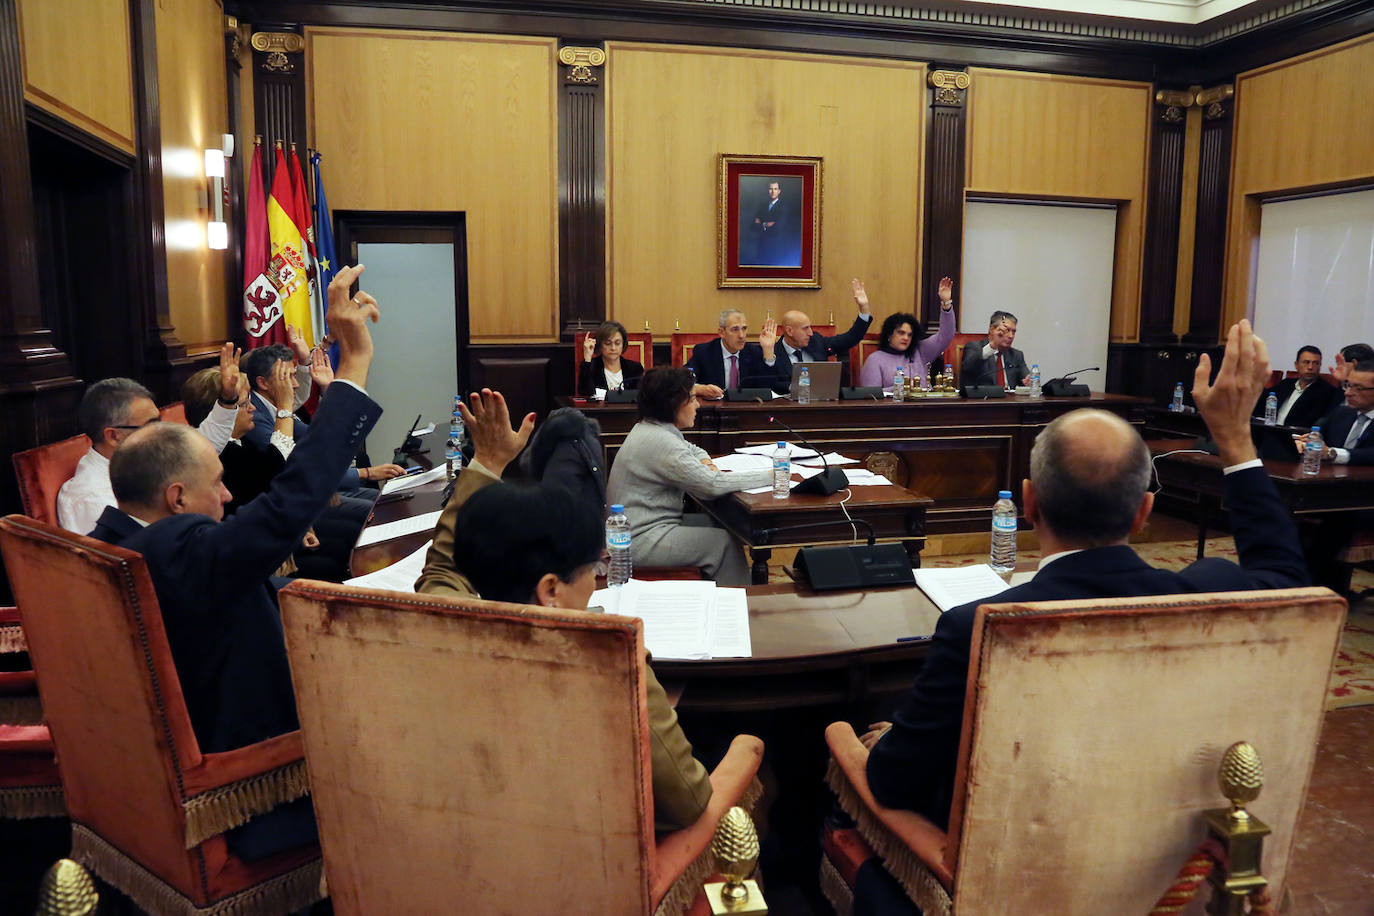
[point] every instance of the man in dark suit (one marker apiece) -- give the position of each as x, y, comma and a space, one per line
1348, 431
211, 576
993, 360
730, 361
1305, 399
1087, 493
801, 344
775, 236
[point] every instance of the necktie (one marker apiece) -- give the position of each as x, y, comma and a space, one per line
734, 371
1001, 373
796, 356
1356, 430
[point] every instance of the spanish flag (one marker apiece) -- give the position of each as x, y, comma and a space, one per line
289, 267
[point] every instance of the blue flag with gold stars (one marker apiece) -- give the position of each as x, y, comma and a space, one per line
324, 246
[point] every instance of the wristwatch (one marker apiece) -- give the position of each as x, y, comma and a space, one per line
283, 413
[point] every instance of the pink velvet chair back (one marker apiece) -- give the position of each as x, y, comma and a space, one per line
473, 756
42, 471
1093, 730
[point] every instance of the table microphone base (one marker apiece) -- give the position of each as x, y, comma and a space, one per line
857, 566
831, 480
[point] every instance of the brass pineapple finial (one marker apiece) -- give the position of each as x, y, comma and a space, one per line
67, 890
735, 848
1241, 776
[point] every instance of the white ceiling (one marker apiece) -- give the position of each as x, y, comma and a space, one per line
1178, 12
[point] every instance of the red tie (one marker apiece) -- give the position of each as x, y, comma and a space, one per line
1001, 373
734, 371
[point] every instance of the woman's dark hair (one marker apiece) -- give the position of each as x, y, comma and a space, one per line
891, 323
662, 392
608, 330
199, 395
509, 536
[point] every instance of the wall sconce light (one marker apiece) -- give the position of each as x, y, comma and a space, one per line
217, 230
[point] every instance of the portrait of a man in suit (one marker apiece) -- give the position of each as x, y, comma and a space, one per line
770, 231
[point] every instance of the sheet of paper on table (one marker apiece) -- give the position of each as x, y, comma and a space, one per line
400, 528
831, 458
858, 477
797, 471
742, 462
683, 619
410, 481
958, 585
399, 576
795, 452
422, 430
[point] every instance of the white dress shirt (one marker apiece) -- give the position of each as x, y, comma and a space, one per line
1289, 401
82, 498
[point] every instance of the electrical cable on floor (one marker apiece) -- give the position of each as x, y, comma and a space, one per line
853, 528
1154, 470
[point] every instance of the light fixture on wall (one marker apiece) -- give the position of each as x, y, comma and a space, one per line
217, 230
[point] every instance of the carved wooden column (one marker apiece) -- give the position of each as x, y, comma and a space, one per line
1168, 132
37, 391
279, 95
1214, 183
236, 39
581, 190
944, 212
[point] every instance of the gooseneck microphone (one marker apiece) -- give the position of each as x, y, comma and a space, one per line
830, 480
1071, 376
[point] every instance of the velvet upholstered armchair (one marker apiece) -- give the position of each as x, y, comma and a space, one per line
1092, 734
481, 757
148, 809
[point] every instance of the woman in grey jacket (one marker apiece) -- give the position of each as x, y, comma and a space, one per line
656, 466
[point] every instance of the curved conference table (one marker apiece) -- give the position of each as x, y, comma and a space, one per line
809, 649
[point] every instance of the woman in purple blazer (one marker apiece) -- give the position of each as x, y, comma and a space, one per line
903, 343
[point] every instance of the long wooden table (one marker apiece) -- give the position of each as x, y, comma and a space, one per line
958, 452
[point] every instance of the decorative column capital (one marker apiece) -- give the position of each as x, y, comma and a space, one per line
1173, 104
276, 45
1216, 102
950, 87
580, 63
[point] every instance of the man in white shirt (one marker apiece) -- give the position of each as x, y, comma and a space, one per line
110, 410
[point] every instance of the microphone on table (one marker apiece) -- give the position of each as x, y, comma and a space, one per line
830, 480
1064, 387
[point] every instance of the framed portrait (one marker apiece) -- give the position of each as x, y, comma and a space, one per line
769, 221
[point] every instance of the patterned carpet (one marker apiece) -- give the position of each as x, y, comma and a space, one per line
1352, 680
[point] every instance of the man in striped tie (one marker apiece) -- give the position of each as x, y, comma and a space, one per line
1348, 431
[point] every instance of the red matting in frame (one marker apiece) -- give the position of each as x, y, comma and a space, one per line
730, 272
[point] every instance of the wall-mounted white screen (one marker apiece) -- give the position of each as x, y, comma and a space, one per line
1315, 283
1050, 266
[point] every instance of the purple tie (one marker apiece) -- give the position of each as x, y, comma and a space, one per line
734, 370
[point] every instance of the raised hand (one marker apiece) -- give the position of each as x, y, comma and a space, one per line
321, 373
588, 347
946, 291
299, 345
282, 386
495, 442
229, 372
348, 318
1341, 369
768, 337
860, 296
1225, 404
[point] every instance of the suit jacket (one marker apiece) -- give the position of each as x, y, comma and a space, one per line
682, 787
212, 583
979, 371
592, 375
820, 348
913, 765
260, 437
1316, 401
709, 365
1336, 426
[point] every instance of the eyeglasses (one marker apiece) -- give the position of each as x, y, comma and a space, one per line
1348, 386
140, 426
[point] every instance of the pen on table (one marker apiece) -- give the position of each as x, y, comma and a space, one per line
415, 470
911, 638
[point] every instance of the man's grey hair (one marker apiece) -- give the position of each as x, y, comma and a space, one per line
144, 466
106, 403
1084, 499
724, 318
1000, 316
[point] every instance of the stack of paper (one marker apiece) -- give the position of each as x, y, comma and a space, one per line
738, 462
959, 585
400, 528
410, 481
684, 619
858, 477
834, 459
399, 576
794, 452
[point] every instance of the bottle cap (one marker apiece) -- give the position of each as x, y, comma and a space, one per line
1316, 429
782, 445
617, 509
1004, 494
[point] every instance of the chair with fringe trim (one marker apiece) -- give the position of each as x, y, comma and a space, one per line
498, 761
148, 809
29, 783
43, 470
1091, 738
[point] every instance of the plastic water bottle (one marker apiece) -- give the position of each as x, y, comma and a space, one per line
1035, 380
453, 448
804, 387
1312, 448
1177, 404
1271, 410
1003, 533
621, 564
782, 471
898, 385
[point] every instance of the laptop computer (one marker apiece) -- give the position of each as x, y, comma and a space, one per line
825, 380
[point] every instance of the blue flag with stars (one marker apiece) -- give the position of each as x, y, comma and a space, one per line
324, 247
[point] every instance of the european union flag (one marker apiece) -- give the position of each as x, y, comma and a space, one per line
324, 246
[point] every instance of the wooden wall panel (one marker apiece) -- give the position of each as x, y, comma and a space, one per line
1036, 134
672, 110
442, 121
195, 115
77, 64
1302, 123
